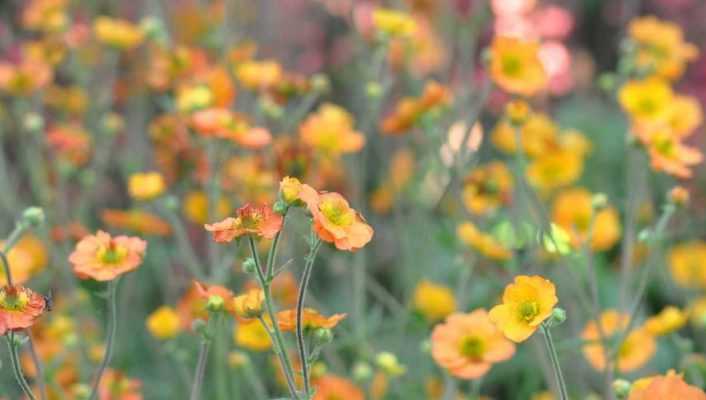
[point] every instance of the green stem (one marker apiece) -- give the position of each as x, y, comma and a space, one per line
301, 345
109, 341
276, 334
558, 376
200, 369
41, 384
272, 255
17, 368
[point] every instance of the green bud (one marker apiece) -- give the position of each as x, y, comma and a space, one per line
362, 371
607, 82
622, 388
320, 83
323, 336
280, 207
33, 122
373, 90
215, 304
33, 217
270, 108
249, 265
599, 201
81, 391
558, 316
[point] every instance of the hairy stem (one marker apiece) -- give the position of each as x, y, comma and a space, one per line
558, 375
301, 345
109, 341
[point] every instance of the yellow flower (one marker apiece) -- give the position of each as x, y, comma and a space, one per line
252, 336
193, 97
685, 115
27, 258
517, 112
537, 134
259, 75
668, 320
687, 262
646, 101
555, 169
434, 301
164, 323
526, 304
635, 351
195, 208
482, 242
487, 188
661, 47
515, 66
394, 23
573, 210
117, 33
249, 305
146, 186
330, 131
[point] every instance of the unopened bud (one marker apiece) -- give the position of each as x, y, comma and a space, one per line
320, 83
373, 90
599, 201
33, 122
362, 371
679, 196
622, 388
215, 304
33, 217
558, 316
249, 265
323, 336
280, 207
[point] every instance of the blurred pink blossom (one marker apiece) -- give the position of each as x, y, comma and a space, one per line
509, 7
557, 62
553, 22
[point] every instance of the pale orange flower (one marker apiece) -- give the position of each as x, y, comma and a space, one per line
330, 131
331, 387
136, 221
258, 220
311, 319
334, 221
635, 351
19, 308
104, 258
469, 344
670, 386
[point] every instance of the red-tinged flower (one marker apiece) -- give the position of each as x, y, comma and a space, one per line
311, 319
212, 121
19, 308
258, 220
336, 222
103, 258
331, 387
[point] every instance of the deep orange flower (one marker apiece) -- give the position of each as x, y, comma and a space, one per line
26, 77
469, 344
258, 220
103, 258
332, 387
410, 109
336, 222
19, 308
515, 66
311, 319
136, 221
117, 386
70, 143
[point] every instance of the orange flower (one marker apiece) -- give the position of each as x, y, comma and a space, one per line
116, 386
206, 292
665, 387
469, 344
573, 210
482, 242
330, 131
332, 387
336, 222
292, 192
19, 308
487, 188
311, 319
103, 258
670, 155
515, 66
526, 304
27, 258
258, 220
26, 77
636, 349
410, 109
136, 221
71, 143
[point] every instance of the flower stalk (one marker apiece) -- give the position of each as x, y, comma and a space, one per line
301, 345
554, 358
110, 338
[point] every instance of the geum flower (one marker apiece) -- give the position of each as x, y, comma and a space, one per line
334, 221
311, 319
19, 308
103, 258
516, 67
670, 386
467, 345
527, 302
258, 220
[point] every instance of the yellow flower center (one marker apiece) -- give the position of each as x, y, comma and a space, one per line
251, 220
13, 300
647, 105
472, 347
528, 310
337, 213
112, 254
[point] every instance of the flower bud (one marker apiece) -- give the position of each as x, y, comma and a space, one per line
33, 122
373, 90
362, 371
33, 217
388, 362
517, 112
621, 388
599, 201
215, 304
280, 207
249, 265
323, 336
558, 316
679, 196
320, 83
